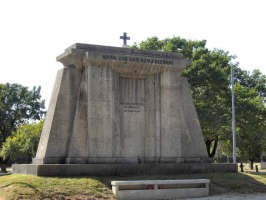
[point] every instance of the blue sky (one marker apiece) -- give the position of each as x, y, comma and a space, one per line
34, 32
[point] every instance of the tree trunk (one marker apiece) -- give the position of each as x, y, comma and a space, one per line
211, 152
251, 164
3, 168
208, 146
3, 165
214, 147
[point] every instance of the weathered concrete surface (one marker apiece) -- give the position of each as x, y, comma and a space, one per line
118, 105
58, 124
232, 197
162, 194
160, 189
120, 169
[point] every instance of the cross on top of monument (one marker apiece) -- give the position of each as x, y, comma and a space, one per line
124, 38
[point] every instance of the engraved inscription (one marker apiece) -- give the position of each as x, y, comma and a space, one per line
125, 51
131, 108
144, 60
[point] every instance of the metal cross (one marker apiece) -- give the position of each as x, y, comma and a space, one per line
124, 38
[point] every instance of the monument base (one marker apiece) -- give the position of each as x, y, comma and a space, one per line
120, 169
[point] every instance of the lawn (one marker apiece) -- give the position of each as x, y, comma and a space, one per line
17, 186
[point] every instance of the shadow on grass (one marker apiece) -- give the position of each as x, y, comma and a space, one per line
21, 183
256, 173
237, 183
38, 192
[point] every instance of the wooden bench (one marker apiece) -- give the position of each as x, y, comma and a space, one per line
160, 189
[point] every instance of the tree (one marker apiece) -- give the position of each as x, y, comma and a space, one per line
208, 76
250, 116
18, 105
255, 80
250, 91
22, 145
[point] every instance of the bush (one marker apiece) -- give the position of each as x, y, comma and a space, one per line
22, 145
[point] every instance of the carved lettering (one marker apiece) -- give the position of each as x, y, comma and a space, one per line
144, 60
131, 108
109, 57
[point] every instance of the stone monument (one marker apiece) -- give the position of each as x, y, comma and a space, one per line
120, 111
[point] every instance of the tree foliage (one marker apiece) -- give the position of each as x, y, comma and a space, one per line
18, 105
22, 145
209, 78
250, 114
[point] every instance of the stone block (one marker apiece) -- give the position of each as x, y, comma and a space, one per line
114, 169
160, 189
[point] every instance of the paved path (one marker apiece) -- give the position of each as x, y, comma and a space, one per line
3, 174
233, 196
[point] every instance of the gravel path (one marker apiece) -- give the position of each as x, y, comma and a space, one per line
233, 196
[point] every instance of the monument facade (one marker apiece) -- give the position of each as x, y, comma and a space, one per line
120, 105
120, 109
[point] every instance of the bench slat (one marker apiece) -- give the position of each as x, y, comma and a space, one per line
162, 182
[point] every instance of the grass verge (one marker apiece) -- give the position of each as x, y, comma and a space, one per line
17, 186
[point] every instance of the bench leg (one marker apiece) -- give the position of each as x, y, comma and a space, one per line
115, 190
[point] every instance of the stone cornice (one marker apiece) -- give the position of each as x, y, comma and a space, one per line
123, 60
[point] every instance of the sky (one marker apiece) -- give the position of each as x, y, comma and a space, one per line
34, 32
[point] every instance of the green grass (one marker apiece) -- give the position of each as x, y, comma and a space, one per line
17, 186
